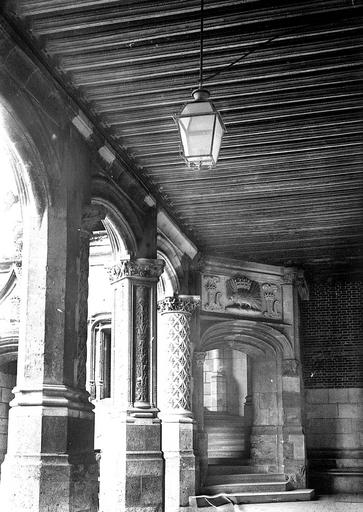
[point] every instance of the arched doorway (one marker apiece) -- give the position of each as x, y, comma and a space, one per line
226, 374
261, 432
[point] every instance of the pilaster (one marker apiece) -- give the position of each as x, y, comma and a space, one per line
294, 449
131, 461
174, 377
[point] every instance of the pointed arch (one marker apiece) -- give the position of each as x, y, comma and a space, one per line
255, 338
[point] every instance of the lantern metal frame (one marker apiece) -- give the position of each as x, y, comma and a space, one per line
201, 95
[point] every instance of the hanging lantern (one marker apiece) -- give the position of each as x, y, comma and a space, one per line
201, 130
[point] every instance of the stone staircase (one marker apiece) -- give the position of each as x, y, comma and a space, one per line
237, 481
227, 436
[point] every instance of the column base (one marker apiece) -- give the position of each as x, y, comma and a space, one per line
49, 483
50, 464
132, 467
180, 475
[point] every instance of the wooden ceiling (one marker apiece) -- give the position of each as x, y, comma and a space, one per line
288, 186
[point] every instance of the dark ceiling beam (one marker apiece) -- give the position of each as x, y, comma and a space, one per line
123, 55
175, 13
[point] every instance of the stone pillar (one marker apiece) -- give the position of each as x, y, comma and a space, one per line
218, 383
174, 378
131, 460
294, 450
50, 462
201, 438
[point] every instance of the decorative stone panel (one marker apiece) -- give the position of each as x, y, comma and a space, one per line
242, 296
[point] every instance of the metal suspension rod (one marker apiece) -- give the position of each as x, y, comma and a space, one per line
201, 44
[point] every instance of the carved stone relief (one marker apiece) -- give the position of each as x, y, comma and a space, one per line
241, 295
176, 315
142, 343
136, 268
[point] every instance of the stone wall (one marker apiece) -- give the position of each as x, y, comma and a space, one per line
334, 436
7, 383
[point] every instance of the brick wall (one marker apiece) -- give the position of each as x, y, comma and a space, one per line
332, 339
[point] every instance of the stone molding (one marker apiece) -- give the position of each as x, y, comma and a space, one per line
52, 395
186, 304
141, 267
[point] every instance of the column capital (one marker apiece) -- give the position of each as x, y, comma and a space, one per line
138, 268
199, 358
179, 304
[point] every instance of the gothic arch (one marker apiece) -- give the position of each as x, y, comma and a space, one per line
255, 338
121, 222
168, 284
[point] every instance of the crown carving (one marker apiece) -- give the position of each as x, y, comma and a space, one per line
240, 283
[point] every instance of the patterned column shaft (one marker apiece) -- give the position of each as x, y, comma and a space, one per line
175, 342
142, 346
137, 280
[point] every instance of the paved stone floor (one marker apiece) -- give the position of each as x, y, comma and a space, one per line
336, 503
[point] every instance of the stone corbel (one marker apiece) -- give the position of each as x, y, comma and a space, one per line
296, 278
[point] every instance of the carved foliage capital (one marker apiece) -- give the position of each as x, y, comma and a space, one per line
142, 267
179, 304
199, 358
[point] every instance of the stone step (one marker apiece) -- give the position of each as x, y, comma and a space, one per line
222, 465
221, 430
222, 478
225, 442
252, 497
222, 454
228, 470
242, 487
239, 434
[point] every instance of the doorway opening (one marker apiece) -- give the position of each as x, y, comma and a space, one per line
227, 404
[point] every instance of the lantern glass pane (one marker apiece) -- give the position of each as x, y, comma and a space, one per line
197, 134
218, 134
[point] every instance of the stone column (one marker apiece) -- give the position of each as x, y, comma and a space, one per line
174, 378
50, 462
131, 460
218, 383
201, 438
